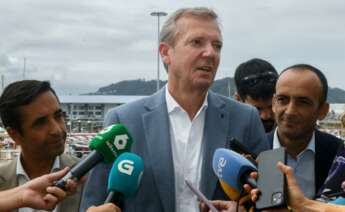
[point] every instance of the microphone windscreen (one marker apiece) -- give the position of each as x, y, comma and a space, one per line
231, 167
125, 174
232, 193
338, 201
112, 142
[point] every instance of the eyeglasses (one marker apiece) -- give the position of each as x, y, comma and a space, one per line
251, 80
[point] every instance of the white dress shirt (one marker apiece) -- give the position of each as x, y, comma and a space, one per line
186, 138
303, 166
23, 177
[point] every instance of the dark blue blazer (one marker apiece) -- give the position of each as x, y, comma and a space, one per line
326, 147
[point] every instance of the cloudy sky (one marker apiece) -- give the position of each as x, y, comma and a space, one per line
81, 45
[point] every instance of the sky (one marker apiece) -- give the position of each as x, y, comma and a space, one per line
82, 45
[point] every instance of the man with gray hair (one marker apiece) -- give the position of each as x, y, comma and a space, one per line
177, 129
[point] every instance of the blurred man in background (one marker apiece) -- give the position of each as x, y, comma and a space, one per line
255, 82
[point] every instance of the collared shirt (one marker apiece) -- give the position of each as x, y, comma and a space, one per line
23, 177
303, 166
186, 141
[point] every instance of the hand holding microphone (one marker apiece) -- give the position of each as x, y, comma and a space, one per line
233, 171
106, 147
36, 193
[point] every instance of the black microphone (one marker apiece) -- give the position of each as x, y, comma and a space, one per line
240, 148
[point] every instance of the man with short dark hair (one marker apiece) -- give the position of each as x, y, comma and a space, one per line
31, 113
255, 82
177, 129
300, 100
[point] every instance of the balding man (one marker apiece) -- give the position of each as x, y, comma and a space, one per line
301, 100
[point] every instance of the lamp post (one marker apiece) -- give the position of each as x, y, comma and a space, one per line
79, 125
69, 124
24, 68
89, 123
158, 14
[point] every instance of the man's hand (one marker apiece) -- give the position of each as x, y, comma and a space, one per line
222, 206
296, 196
109, 207
40, 193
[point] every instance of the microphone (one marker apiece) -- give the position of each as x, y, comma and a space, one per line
332, 186
106, 146
232, 193
338, 201
242, 149
124, 177
233, 170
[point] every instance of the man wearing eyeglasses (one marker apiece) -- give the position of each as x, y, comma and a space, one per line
255, 81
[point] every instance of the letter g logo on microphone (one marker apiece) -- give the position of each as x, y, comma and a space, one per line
126, 167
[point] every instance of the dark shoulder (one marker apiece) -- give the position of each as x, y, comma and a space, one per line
327, 140
324, 136
270, 135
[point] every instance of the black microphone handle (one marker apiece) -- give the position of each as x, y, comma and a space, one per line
87, 163
80, 169
240, 148
115, 197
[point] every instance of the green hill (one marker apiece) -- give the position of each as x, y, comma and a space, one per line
225, 86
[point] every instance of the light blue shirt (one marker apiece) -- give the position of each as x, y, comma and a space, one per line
303, 166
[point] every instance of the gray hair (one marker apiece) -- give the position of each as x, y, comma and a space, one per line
169, 32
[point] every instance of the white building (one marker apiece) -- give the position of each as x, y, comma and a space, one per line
86, 112
337, 108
